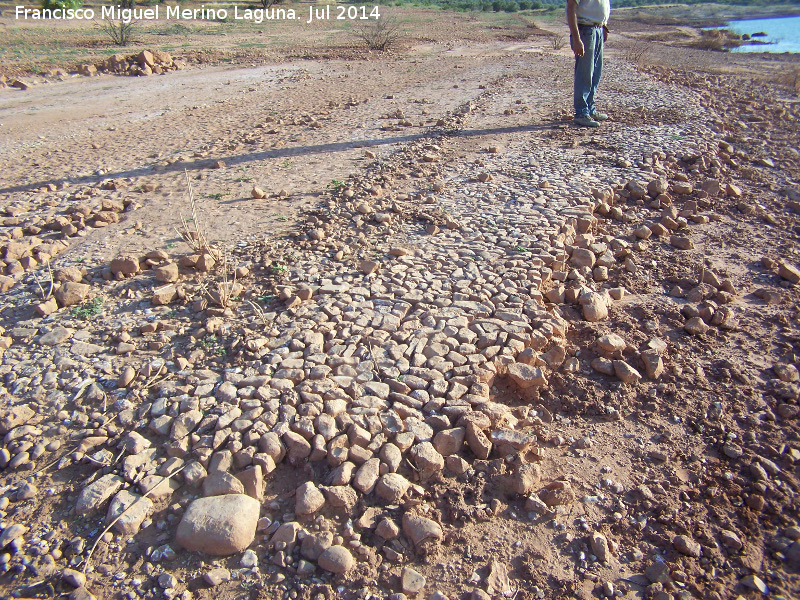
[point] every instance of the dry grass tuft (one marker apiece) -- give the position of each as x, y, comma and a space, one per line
227, 289
718, 40
45, 295
194, 231
558, 41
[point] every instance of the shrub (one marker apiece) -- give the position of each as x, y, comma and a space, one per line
792, 79
637, 51
62, 4
119, 32
378, 35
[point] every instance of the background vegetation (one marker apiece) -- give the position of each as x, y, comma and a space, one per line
554, 5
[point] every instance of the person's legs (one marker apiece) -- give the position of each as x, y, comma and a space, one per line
584, 67
597, 67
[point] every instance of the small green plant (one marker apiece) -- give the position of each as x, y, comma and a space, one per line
287, 164
282, 218
279, 269
244, 179
521, 249
217, 196
208, 342
87, 309
170, 244
335, 185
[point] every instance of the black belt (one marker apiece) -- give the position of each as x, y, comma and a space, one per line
591, 26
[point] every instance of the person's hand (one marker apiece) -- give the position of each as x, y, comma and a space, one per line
577, 46
605, 34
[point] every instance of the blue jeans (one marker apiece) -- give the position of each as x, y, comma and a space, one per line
588, 69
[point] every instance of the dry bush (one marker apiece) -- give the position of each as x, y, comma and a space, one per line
636, 52
709, 43
379, 35
718, 40
119, 32
791, 79
558, 41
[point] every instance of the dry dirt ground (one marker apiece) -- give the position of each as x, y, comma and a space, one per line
689, 473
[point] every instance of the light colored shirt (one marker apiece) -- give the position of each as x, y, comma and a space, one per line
593, 12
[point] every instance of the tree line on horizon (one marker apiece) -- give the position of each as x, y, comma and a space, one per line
517, 5
470, 5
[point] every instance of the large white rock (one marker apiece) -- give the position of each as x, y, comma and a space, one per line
595, 307
219, 525
392, 487
336, 559
526, 376
308, 499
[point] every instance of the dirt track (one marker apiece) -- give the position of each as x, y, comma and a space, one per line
679, 454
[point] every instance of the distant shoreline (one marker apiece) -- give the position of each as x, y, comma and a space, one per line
710, 21
758, 18
754, 40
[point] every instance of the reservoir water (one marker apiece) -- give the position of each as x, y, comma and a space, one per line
783, 34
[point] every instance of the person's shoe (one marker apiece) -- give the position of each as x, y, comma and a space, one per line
586, 122
598, 116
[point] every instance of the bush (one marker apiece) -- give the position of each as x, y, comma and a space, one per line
119, 32
637, 51
792, 79
379, 35
62, 4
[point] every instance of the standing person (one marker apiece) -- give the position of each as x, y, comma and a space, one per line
587, 20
